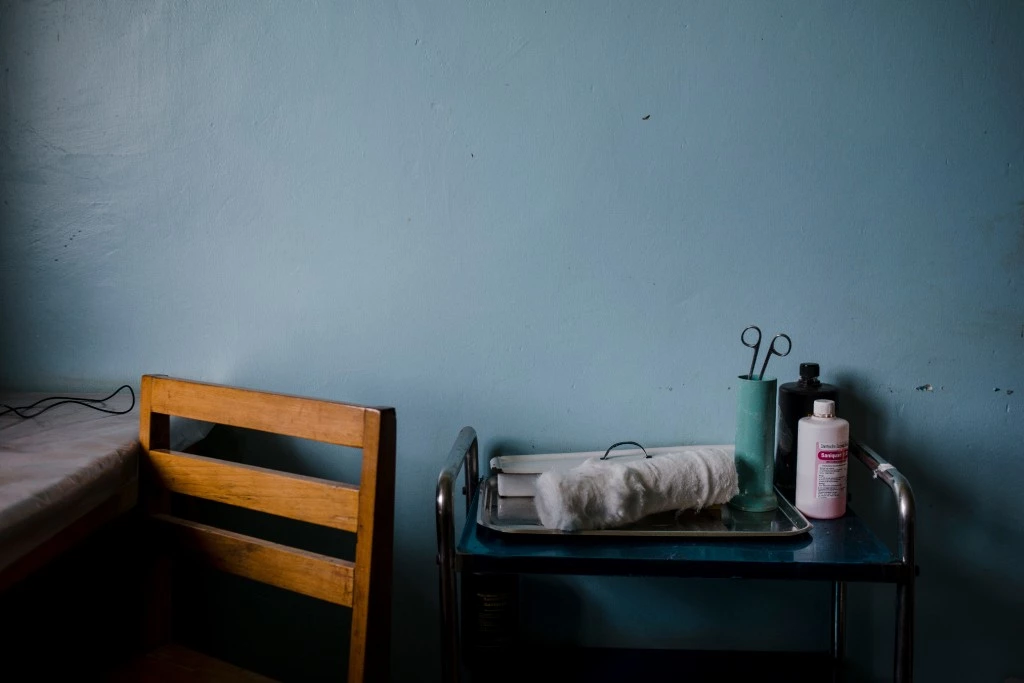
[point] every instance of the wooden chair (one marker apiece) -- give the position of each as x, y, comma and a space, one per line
367, 510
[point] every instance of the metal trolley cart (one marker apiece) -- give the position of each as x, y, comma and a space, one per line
839, 551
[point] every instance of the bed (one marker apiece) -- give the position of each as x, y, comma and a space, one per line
64, 474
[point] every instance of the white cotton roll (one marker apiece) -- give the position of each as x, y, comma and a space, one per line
602, 494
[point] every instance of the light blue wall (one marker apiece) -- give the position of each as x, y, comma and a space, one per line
463, 210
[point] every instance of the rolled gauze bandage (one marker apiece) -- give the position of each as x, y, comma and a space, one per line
604, 494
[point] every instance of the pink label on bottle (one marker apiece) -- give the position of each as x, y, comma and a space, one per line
833, 455
830, 479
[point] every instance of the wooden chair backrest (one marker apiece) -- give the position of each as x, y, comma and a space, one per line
367, 509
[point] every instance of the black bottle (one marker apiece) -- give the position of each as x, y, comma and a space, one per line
796, 400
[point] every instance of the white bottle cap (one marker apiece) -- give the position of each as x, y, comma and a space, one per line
824, 407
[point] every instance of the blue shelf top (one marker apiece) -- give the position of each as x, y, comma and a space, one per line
843, 549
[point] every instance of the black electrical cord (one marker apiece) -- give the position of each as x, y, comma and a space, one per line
61, 400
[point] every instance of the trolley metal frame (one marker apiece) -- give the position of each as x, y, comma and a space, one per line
897, 568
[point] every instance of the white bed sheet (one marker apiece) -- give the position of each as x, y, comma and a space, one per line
58, 466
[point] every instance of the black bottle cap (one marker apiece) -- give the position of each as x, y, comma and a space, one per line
809, 370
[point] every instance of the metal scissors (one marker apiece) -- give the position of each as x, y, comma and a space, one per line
756, 345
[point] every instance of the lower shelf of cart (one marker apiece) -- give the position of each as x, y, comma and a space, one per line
594, 665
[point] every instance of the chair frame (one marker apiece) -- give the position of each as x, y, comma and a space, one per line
367, 509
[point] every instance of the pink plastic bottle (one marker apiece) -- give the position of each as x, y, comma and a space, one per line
823, 442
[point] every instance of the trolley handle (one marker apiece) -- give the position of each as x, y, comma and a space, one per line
464, 453
881, 469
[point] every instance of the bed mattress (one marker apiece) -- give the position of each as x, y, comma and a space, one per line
57, 467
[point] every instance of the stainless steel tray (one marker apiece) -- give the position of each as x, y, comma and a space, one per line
519, 516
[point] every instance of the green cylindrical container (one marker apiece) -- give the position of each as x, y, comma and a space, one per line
755, 444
